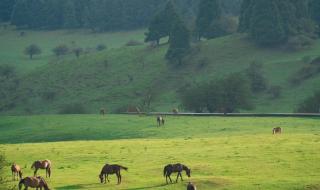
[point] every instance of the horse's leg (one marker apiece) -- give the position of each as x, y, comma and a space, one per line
107, 177
35, 172
177, 177
181, 177
120, 177
170, 178
117, 177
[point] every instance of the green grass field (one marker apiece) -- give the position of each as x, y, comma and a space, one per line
224, 153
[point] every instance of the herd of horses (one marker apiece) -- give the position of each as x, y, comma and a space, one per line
108, 169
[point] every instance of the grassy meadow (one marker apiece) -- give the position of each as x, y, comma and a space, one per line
224, 153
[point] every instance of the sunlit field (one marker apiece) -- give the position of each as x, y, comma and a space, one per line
222, 152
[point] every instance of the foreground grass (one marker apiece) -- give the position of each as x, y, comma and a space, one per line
223, 153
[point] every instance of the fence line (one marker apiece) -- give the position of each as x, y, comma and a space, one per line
227, 114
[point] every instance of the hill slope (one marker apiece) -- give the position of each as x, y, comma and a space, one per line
126, 76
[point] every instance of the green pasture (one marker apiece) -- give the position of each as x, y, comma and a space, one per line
224, 153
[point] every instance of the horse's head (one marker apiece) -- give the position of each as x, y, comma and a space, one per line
188, 172
101, 178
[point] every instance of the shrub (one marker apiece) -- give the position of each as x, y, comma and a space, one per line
75, 108
133, 43
61, 50
101, 47
225, 26
32, 50
275, 91
311, 104
299, 42
7, 71
255, 75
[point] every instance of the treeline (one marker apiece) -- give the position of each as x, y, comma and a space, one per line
98, 15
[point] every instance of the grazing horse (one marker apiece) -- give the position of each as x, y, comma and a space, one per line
160, 121
191, 186
45, 164
173, 168
111, 169
277, 130
33, 182
16, 171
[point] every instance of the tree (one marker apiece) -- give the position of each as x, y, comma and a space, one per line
314, 7
179, 42
6, 7
32, 50
162, 23
245, 15
60, 50
266, 27
256, 77
209, 13
311, 104
7, 71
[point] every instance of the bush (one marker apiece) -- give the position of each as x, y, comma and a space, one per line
311, 104
101, 47
75, 108
275, 91
32, 50
255, 75
7, 71
299, 42
225, 26
61, 50
133, 43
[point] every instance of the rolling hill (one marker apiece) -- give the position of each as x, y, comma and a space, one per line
128, 75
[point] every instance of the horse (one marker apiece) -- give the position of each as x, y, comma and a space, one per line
173, 168
102, 111
33, 182
191, 186
111, 169
16, 171
45, 164
160, 121
277, 130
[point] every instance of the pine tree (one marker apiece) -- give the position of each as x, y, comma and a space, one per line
266, 24
162, 23
314, 7
209, 12
245, 15
70, 19
179, 42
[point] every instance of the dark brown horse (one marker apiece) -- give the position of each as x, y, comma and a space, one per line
111, 169
16, 171
277, 130
174, 168
191, 186
45, 164
160, 121
33, 182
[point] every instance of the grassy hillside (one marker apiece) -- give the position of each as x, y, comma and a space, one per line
126, 76
223, 153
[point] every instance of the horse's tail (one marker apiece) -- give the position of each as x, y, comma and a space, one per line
124, 168
21, 183
164, 171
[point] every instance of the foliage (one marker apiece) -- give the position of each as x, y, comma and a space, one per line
275, 91
208, 15
61, 50
101, 47
256, 77
7, 71
32, 50
179, 43
227, 95
311, 104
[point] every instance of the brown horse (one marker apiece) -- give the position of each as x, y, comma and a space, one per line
191, 186
33, 182
16, 171
173, 168
111, 169
160, 121
277, 130
45, 164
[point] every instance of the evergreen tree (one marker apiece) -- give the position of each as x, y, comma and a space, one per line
209, 12
6, 7
162, 23
266, 26
245, 15
179, 42
70, 19
314, 8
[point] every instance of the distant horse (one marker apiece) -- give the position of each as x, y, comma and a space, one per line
160, 121
191, 186
277, 130
111, 169
45, 164
33, 182
16, 171
102, 111
173, 168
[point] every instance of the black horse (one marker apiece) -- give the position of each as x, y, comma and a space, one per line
175, 168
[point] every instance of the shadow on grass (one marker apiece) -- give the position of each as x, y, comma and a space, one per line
150, 187
85, 186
